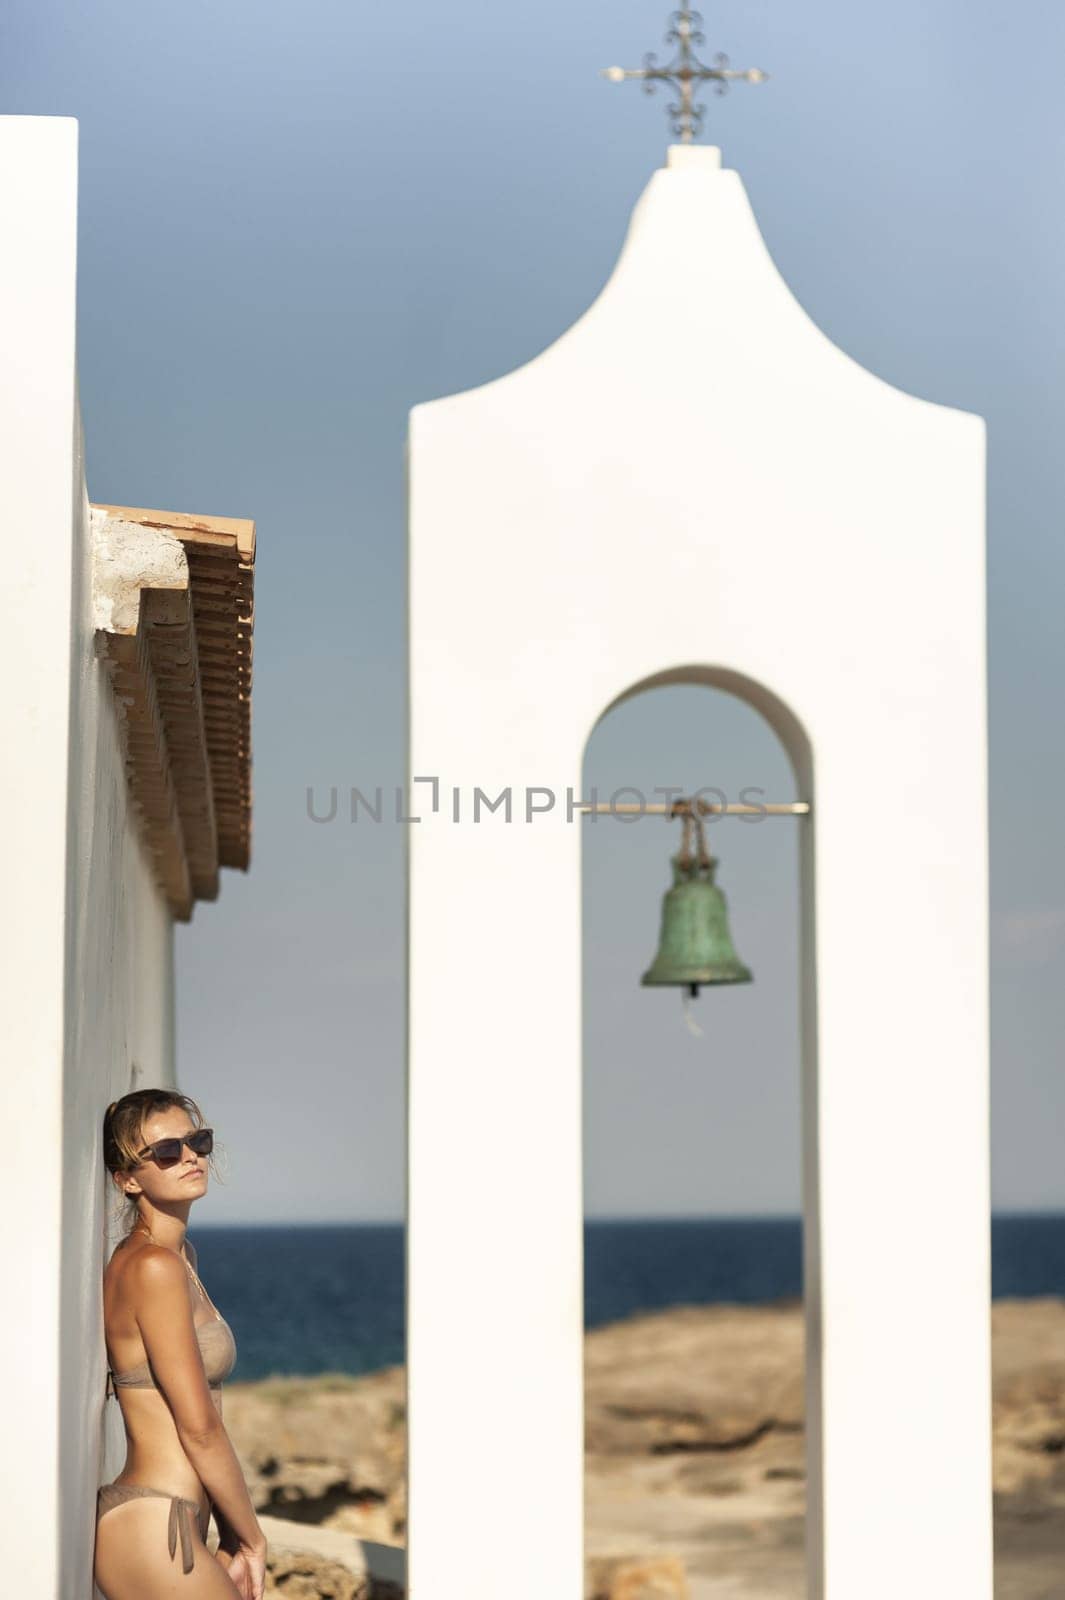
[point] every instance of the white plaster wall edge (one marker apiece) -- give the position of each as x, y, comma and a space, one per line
126, 558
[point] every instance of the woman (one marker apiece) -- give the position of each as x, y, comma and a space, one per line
169, 1351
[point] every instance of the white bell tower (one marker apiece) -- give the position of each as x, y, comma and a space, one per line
825, 562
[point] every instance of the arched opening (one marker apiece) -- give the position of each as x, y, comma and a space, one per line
695, 1377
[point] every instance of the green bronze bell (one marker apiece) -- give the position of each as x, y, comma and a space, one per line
695, 946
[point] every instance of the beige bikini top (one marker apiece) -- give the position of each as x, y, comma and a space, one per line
217, 1347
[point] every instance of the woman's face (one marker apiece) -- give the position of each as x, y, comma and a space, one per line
163, 1186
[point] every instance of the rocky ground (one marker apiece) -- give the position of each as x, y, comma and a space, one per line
694, 1483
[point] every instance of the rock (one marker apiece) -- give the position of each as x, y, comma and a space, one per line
657, 1578
696, 1378
695, 1464
302, 1576
326, 1450
309, 1563
1028, 1340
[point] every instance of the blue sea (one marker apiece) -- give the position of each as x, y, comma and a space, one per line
329, 1298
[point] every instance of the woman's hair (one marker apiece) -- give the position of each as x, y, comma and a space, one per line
123, 1122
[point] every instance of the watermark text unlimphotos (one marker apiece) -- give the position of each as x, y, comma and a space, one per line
625, 804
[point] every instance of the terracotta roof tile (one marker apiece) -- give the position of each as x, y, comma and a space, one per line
182, 679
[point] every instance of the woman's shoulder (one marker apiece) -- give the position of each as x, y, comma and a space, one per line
154, 1267
132, 1274
119, 1259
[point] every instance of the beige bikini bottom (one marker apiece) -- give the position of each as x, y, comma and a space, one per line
183, 1514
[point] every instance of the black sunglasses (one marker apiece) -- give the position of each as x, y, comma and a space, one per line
167, 1152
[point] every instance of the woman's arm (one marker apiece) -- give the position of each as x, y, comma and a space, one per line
228, 1542
164, 1316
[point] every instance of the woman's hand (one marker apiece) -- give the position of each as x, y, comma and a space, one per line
236, 1568
250, 1562
245, 1564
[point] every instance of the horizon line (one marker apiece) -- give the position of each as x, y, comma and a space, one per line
1057, 1210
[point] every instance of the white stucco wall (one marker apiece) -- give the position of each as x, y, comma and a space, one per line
86, 986
695, 485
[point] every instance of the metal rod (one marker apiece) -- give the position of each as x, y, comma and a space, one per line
792, 808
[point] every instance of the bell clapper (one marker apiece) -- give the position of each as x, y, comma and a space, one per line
692, 1025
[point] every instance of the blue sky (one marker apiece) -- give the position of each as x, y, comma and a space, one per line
297, 223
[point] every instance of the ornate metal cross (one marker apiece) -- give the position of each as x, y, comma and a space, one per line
684, 72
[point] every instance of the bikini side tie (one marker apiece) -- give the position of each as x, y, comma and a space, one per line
179, 1524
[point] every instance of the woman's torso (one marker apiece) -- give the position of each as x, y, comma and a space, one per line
154, 1452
